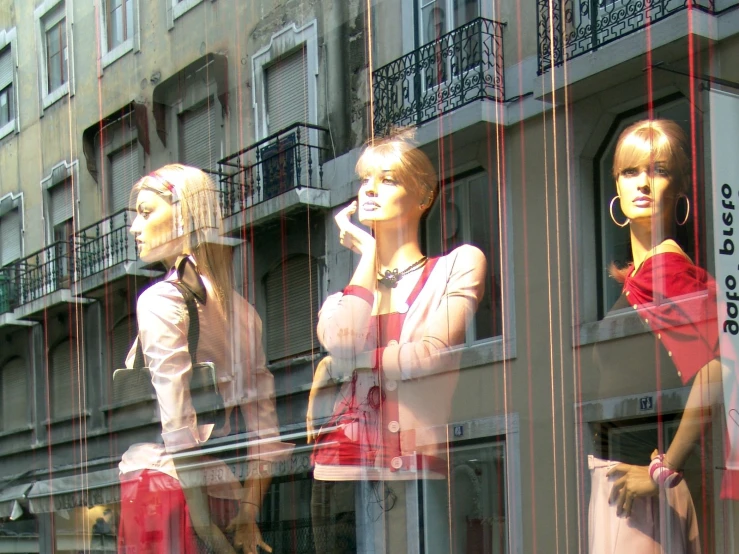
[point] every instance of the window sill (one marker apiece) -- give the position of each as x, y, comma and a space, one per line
55, 95
488, 351
181, 8
116, 53
16, 431
300, 359
614, 327
7, 129
66, 419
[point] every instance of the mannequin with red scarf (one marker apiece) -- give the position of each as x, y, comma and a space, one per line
676, 300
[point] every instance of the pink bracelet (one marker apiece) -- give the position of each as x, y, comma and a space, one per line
662, 475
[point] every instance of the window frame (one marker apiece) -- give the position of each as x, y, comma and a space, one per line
503, 428
281, 43
71, 172
178, 8
132, 42
8, 40
592, 326
47, 15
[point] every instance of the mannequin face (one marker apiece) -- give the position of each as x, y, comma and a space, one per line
382, 199
647, 191
153, 228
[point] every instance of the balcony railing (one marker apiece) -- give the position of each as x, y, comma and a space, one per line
458, 68
105, 244
289, 159
41, 273
572, 28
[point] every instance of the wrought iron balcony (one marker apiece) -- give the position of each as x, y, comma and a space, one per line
458, 68
104, 245
289, 159
572, 28
41, 273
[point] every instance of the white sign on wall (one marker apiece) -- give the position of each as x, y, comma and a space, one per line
724, 125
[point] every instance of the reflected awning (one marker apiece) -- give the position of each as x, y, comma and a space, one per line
11, 495
66, 493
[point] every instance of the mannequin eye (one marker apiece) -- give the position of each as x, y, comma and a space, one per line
630, 172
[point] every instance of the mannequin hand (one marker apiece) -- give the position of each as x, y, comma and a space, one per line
633, 483
321, 380
352, 237
247, 536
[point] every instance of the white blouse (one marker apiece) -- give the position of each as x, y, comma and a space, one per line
236, 350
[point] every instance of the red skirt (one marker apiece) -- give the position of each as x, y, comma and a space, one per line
155, 518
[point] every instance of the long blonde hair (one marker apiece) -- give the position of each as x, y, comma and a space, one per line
198, 218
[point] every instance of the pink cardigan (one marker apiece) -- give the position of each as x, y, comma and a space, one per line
421, 364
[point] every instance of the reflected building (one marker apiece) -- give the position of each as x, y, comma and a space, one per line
519, 106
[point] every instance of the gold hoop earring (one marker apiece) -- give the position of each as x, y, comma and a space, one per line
687, 209
610, 209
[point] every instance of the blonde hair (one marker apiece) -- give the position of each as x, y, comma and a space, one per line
198, 216
410, 166
650, 140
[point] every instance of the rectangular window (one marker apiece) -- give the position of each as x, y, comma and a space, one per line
10, 237
200, 144
467, 213
119, 22
56, 54
287, 91
7, 113
6, 106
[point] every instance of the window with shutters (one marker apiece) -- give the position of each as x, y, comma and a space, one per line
64, 379
118, 28
466, 212
285, 80
200, 135
54, 36
126, 167
287, 91
10, 237
14, 394
291, 292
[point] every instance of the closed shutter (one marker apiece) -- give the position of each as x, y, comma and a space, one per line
292, 304
125, 170
62, 202
10, 237
6, 68
64, 363
122, 337
14, 394
199, 137
287, 91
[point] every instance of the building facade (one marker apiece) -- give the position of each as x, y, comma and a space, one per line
518, 105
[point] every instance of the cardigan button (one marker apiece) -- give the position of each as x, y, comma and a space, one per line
679, 373
403, 308
393, 426
391, 385
392, 343
396, 463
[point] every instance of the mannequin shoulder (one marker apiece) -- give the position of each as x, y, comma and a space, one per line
467, 256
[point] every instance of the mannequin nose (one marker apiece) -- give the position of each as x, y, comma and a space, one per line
370, 187
644, 183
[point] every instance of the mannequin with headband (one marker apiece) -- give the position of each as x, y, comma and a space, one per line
178, 224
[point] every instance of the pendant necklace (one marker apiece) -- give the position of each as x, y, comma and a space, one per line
391, 277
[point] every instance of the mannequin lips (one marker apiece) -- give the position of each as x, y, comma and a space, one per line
642, 202
370, 206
